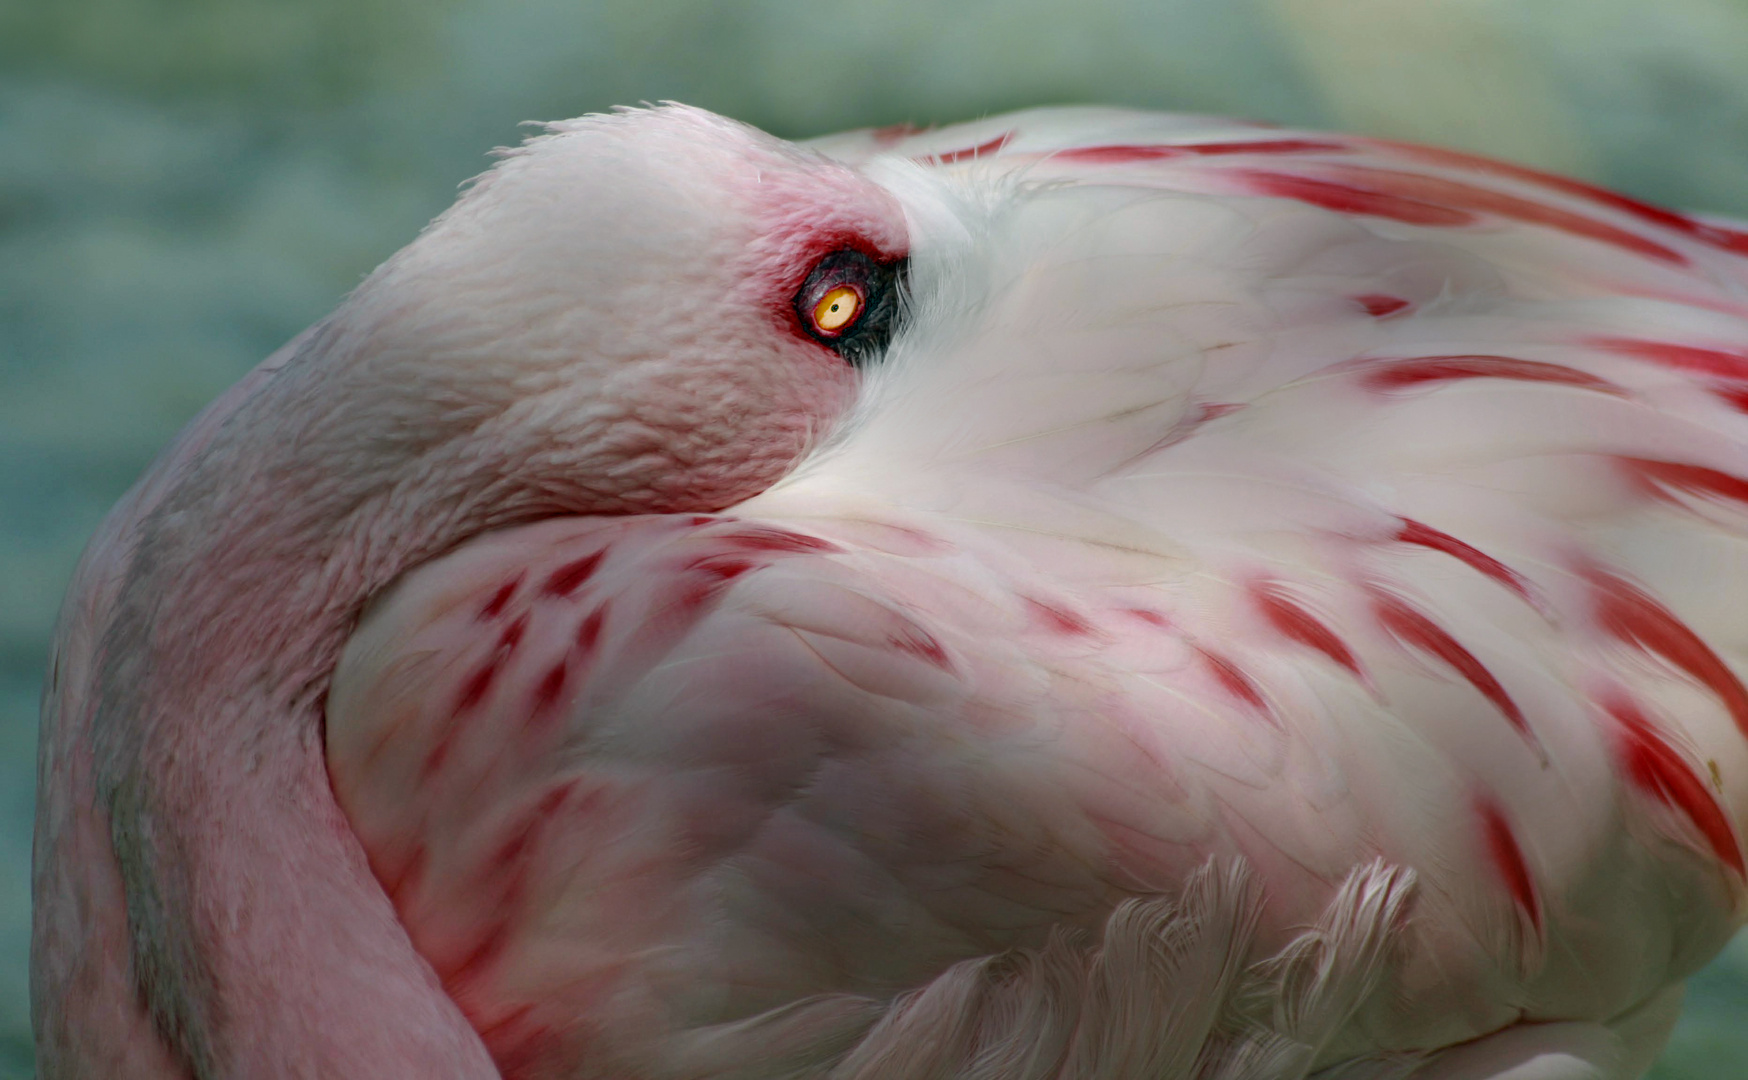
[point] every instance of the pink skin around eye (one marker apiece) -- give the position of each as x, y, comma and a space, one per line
805, 218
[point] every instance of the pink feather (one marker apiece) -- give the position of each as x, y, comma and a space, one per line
1275, 604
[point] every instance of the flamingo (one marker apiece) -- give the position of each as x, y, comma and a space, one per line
1085, 594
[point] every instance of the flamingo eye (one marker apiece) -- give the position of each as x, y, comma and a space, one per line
849, 303
837, 309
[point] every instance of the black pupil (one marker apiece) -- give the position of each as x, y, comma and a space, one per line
877, 284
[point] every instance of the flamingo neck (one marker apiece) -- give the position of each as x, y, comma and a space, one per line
253, 911
262, 943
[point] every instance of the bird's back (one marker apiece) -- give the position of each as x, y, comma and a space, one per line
1280, 602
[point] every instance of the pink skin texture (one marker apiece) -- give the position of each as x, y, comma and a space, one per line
1275, 605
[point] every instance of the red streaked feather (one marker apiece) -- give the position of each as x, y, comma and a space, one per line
752, 538
1151, 618
721, 567
1729, 364
1661, 770
971, 153
1378, 305
1294, 622
1348, 199
588, 636
1267, 146
567, 578
1236, 682
1419, 199
1130, 154
1734, 396
917, 642
473, 691
1058, 619
547, 692
1508, 861
512, 635
1385, 375
1416, 629
894, 133
1117, 155
1715, 235
1638, 619
1414, 532
500, 599
1486, 200
1663, 477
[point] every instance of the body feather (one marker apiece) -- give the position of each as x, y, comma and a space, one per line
1274, 612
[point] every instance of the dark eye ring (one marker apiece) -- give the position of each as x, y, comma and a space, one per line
849, 303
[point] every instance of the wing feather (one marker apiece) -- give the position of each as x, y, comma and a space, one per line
1230, 494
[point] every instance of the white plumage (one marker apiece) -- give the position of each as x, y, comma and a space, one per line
1274, 608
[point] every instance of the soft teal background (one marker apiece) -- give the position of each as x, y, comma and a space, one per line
184, 184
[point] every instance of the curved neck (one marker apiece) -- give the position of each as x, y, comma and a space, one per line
262, 943
260, 936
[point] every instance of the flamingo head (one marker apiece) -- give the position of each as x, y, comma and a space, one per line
652, 310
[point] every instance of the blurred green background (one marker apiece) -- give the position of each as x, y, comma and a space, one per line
185, 184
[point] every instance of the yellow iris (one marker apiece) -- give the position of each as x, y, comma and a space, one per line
836, 308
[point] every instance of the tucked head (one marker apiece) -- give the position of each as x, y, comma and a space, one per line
681, 296
656, 310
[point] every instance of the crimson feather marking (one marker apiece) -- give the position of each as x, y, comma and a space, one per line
1472, 197
1394, 374
917, 642
473, 691
723, 568
512, 636
1209, 411
1117, 154
1508, 860
894, 133
1636, 618
1379, 305
1059, 620
1120, 154
1414, 532
513, 850
1664, 477
1299, 625
500, 599
550, 687
1267, 146
778, 540
691, 602
1413, 627
504, 873
1661, 770
1347, 199
971, 153
1419, 199
589, 633
1715, 235
1152, 618
1728, 364
1230, 676
1734, 396
566, 579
